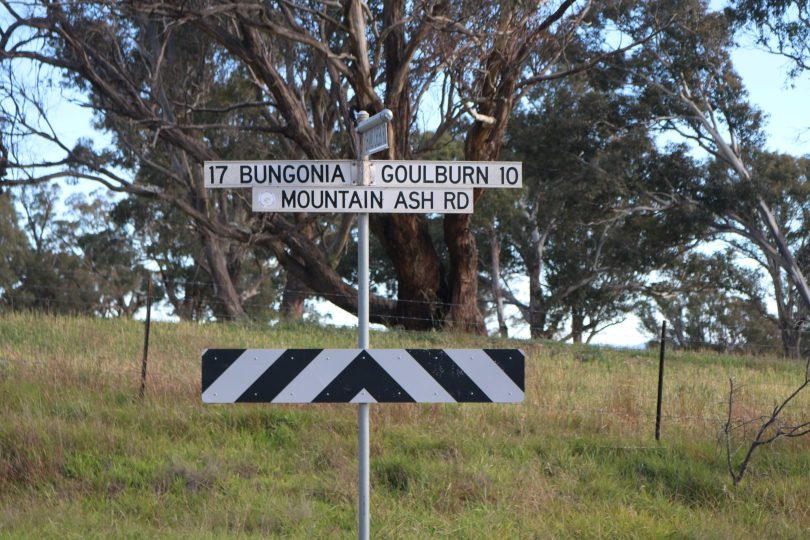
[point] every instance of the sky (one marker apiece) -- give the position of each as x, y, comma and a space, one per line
784, 101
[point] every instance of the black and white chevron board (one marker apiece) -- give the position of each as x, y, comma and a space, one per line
362, 376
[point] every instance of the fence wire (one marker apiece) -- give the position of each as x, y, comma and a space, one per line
107, 308
559, 407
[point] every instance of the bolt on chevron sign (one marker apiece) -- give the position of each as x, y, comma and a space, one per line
362, 376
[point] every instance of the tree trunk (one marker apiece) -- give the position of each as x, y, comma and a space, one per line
789, 323
495, 249
537, 314
463, 315
421, 289
788, 260
230, 304
577, 325
790, 343
482, 143
295, 290
293, 298
398, 88
421, 285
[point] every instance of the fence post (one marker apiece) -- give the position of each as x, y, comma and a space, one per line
146, 336
660, 382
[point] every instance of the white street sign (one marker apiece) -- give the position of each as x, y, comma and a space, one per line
304, 173
447, 174
384, 174
363, 199
364, 376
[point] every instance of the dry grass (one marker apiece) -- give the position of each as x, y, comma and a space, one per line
81, 456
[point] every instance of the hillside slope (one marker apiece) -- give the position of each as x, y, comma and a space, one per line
82, 457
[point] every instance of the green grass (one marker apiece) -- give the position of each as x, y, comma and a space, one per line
82, 457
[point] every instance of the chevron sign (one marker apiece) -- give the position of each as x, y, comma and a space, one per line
362, 375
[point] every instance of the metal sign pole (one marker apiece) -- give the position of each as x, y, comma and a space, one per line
364, 514
363, 481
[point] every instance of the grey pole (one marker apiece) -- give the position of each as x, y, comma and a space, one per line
363, 511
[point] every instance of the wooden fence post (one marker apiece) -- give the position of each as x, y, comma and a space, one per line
660, 382
146, 336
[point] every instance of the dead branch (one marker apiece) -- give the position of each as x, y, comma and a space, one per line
770, 430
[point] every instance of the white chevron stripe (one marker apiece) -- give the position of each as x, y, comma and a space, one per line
363, 396
306, 386
240, 375
485, 373
411, 376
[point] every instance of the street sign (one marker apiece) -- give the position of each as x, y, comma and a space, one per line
447, 174
375, 139
305, 173
373, 132
362, 376
363, 199
384, 174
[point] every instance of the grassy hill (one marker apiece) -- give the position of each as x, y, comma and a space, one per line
82, 457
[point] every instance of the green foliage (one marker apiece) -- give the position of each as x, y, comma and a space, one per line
589, 166
77, 262
605, 203
13, 244
781, 182
710, 302
782, 26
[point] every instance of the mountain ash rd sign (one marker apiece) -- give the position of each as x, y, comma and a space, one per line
369, 199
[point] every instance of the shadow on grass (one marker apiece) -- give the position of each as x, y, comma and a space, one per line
676, 474
264, 425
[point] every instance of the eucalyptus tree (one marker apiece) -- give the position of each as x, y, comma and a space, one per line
783, 182
781, 26
583, 231
13, 247
689, 89
157, 74
710, 301
66, 262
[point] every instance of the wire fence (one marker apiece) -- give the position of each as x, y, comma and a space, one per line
555, 407
106, 304
121, 373
99, 371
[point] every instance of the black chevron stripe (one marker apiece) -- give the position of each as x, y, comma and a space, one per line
215, 362
449, 375
279, 375
511, 362
363, 373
